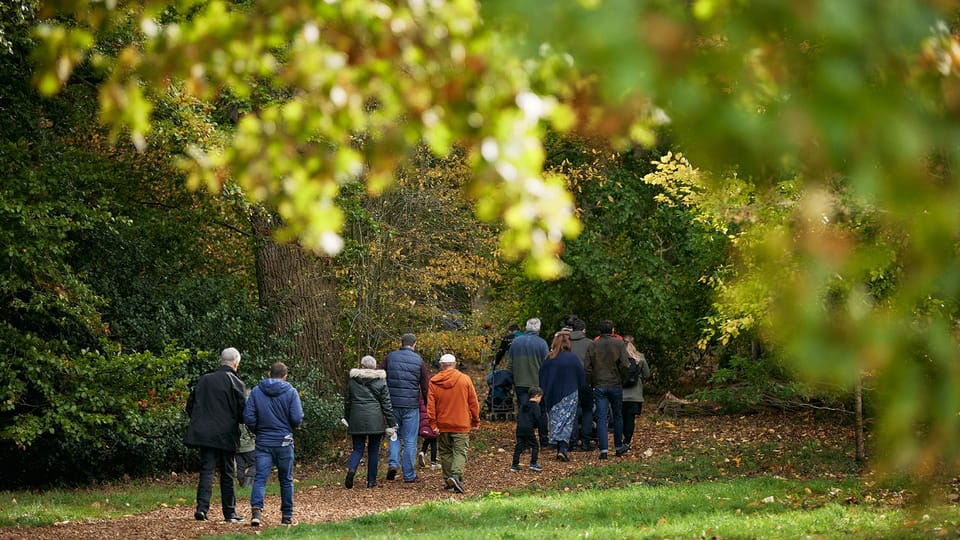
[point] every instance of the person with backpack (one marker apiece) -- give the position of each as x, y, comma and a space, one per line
633, 389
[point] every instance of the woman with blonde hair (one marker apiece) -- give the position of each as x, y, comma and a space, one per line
633, 395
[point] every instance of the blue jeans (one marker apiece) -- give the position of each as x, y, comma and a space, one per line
409, 420
609, 398
372, 442
267, 457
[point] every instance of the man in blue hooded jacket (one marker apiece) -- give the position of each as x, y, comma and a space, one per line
272, 412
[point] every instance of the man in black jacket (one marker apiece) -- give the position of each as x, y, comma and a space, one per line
215, 408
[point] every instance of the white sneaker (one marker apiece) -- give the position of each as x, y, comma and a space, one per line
434, 466
422, 459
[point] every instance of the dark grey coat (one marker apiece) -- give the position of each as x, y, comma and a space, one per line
606, 362
215, 408
367, 406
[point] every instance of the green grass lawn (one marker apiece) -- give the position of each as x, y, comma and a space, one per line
738, 508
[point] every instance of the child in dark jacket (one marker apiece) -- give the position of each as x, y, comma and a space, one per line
527, 421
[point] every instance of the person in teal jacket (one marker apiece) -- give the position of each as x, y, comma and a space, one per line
524, 359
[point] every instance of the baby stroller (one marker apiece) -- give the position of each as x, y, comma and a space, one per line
499, 402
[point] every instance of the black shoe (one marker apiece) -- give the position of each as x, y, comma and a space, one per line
587, 447
603, 455
391, 473
455, 483
372, 484
622, 450
562, 456
234, 519
348, 481
255, 518
287, 520
200, 516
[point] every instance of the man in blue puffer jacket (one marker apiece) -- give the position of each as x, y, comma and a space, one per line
407, 380
272, 412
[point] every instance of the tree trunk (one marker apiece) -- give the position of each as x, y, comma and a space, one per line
300, 290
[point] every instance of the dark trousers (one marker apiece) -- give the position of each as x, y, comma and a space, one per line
584, 420
631, 409
523, 393
372, 443
211, 460
526, 442
609, 399
246, 468
430, 442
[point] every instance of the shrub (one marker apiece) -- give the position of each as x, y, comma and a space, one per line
93, 414
322, 410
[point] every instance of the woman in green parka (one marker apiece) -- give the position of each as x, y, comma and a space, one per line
368, 414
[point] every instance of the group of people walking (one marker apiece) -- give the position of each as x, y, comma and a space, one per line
391, 400
560, 388
575, 379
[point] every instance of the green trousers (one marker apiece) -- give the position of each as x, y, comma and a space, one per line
452, 448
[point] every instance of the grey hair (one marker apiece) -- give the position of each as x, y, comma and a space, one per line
229, 357
408, 340
533, 325
368, 362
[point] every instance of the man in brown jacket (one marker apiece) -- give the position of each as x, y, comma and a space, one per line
453, 410
605, 365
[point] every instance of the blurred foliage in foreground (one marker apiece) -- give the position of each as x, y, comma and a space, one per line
820, 136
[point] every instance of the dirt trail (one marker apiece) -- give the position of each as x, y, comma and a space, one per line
487, 470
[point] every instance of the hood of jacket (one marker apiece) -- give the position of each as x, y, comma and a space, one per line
364, 373
274, 387
577, 335
447, 378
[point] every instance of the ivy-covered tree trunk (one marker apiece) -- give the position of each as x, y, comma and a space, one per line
300, 291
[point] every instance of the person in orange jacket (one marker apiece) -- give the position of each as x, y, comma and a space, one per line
453, 411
